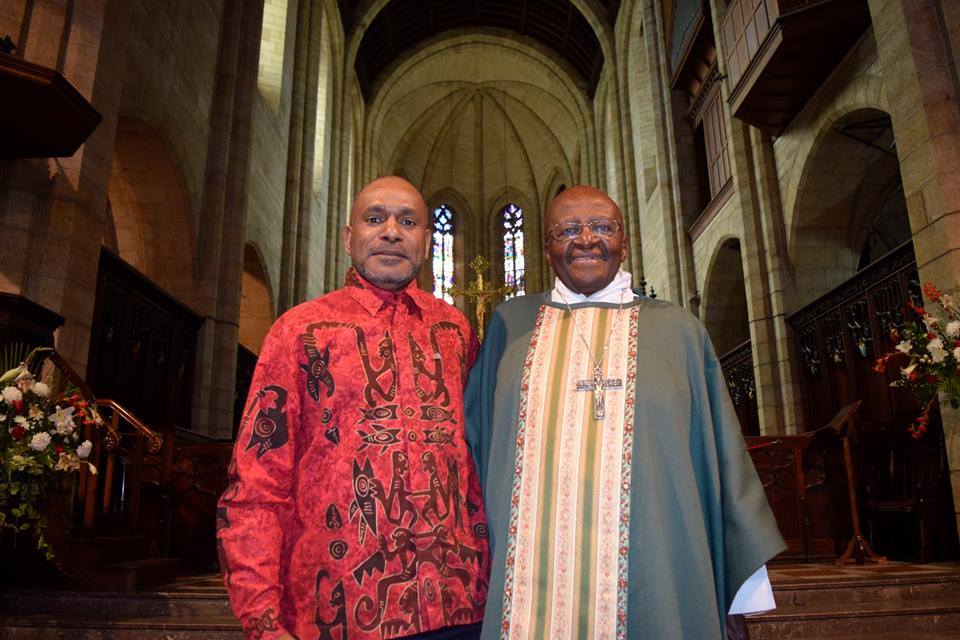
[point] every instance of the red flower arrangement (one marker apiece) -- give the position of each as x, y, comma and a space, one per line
929, 348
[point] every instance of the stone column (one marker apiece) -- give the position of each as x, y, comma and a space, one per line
52, 211
918, 41
224, 207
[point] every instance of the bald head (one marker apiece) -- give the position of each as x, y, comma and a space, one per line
580, 197
388, 237
587, 258
392, 187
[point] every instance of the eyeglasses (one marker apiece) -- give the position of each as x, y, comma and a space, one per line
567, 231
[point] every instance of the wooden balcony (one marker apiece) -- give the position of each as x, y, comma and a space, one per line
779, 52
44, 116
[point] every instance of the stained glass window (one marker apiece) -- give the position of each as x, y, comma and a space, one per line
513, 266
443, 252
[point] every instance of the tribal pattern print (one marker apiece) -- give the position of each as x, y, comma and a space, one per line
270, 425
356, 431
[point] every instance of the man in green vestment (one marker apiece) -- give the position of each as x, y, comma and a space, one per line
620, 497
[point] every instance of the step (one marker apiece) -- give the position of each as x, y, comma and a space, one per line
801, 595
102, 549
863, 619
188, 609
131, 604
94, 627
135, 575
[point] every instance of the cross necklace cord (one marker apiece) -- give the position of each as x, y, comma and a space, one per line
597, 385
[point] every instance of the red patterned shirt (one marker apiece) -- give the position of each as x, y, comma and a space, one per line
354, 508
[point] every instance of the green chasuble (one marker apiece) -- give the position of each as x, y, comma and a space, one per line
642, 523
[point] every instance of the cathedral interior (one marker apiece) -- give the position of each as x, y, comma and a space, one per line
175, 175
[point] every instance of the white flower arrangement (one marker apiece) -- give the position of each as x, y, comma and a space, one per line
40, 435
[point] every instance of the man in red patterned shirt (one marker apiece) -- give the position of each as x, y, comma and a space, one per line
353, 508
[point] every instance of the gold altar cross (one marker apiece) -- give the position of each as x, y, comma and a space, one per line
479, 293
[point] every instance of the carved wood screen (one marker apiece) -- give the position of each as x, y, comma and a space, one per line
737, 367
839, 336
142, 346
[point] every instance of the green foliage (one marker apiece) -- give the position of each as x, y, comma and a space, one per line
41, 437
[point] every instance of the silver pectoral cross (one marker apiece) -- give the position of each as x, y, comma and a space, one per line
598, 386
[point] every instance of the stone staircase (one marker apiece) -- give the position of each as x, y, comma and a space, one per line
189, 609
890, 602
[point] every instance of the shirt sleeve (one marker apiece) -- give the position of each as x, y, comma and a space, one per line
257, 502
755, 595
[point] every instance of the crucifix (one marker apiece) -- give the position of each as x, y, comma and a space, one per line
599, 386
479, 293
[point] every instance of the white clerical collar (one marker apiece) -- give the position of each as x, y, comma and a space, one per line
619, 290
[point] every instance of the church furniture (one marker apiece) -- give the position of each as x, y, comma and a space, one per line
838, 337
780, 51
858, 549
25, 323
905, 495
44, 115
737, 365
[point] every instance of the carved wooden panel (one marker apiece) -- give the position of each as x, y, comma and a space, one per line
737, 368
142, 346
803, 479
839, 336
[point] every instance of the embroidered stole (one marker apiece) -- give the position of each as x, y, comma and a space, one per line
566, 565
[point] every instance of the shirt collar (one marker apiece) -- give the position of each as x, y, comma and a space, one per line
619, 290
373, 298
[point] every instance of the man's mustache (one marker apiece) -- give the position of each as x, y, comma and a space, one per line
568, 256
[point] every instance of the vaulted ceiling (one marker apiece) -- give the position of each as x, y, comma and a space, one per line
403, 24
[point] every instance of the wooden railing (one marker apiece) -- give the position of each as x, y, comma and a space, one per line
113, 500
161, 481
121, 452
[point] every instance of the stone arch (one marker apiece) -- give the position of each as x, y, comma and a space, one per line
539, 79
150, 209
592, 12
557, 181
821, 113
256, 300
724, 307
850, 193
